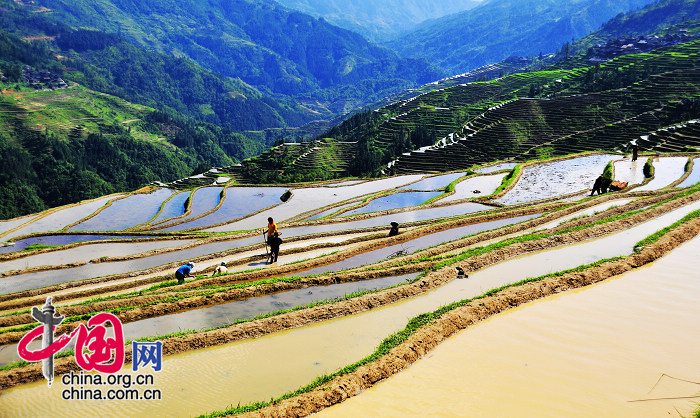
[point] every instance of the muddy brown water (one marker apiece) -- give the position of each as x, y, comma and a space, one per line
586, 352
227, 313
253, 370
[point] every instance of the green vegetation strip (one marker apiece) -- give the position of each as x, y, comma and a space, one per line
508, 179
395, 339
427, 318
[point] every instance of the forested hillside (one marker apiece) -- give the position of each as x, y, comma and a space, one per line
499, 28
327, 69
573, 107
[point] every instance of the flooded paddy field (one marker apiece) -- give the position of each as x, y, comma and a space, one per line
394, 201
85, 253
666, 171
239, 202
541, 181
63, 239
126, 212
565, 355
475, 187
173, 207
204, 200
496, 167
433, 182
264, 358
694, 176
61, 218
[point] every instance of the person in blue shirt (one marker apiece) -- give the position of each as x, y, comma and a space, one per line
184, 272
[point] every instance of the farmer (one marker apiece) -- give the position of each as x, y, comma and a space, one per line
635, 150
271, 230
601, 185
394, 229
274, 242
220, 269
184, 272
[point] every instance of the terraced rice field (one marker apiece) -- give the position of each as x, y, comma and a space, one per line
339, 300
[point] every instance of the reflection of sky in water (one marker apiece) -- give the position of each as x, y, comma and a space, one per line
14, 223
485, 185
62, 218
628, 171
47, 278
666, 171
394, 201
433, 183
86, 253
694, 176
212, 316
413, 245
310, 198
61, 240
541, 181
127, 212
239, 202
204, 200
497, 167
173, 207
329, 211
403, 217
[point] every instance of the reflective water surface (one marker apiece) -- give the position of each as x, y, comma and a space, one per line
253, 370
475, 187
62, 218
434, 182
580, 353
127, 212
394, 201
694, 175
541, 181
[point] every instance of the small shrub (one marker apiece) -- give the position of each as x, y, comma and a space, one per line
608, 171
648, 168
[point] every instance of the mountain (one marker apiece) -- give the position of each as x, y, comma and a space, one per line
663, 17
556, 111
497, 29
280, 52
379, 20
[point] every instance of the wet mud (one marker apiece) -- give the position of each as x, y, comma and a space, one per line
306, 316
